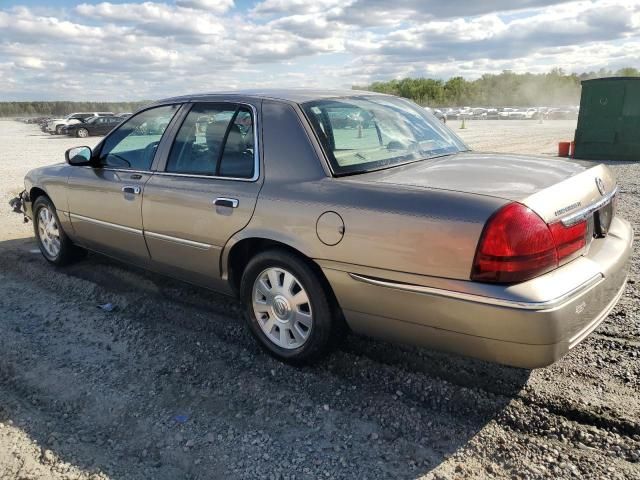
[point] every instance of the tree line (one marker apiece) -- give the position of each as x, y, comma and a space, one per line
554, 88
505, 89
62, 108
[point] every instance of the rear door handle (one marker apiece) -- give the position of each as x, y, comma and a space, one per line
226, 202
132, 189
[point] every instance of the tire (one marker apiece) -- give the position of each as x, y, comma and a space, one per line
82, 133
59, 129
54, 244
314, 318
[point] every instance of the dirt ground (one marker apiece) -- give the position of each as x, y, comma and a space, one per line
169, 385
515, 136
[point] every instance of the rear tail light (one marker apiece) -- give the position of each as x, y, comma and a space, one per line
516, 245
569, 240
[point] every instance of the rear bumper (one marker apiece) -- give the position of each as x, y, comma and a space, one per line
528, 325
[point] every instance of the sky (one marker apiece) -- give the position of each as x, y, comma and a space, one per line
128, 50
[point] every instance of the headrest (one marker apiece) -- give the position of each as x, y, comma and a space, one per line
235, 141
215, 130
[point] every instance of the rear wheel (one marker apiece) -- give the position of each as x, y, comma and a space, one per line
54, 244
286, 306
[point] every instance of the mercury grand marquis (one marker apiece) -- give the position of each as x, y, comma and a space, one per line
325, 209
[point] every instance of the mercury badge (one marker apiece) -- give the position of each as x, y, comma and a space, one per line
600, 185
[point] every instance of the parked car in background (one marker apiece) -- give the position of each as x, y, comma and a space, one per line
397, 229
452, 113
93, 126
523, 113
560, 113
479, 113
505, 112
543, 112
492, 114
36, 120
439, 114
466, 113
54, 126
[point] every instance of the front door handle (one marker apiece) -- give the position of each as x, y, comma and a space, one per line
132, 189
226, 202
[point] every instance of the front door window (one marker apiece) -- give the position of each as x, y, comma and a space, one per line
134, 144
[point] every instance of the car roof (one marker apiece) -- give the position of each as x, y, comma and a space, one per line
295, 95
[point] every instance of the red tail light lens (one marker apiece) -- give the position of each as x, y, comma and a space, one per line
569, 240
517, 245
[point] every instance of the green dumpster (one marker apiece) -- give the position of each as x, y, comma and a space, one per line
609, 119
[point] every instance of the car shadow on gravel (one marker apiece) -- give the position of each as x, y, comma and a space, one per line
169, 384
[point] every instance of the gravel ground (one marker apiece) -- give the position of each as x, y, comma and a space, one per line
170, 386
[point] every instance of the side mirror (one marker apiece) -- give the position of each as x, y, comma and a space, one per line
78, 156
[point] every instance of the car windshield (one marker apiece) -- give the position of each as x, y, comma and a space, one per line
367, 133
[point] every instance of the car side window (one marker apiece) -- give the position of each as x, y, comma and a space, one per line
215, 140
134, 144
238, 155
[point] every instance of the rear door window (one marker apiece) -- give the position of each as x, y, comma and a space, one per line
215, 140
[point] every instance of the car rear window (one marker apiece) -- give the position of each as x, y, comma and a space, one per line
364, 133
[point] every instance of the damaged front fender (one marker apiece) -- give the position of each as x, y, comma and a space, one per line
22, 205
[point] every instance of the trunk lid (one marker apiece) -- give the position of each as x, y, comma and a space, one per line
551, 187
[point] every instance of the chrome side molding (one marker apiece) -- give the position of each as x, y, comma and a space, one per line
105, 224
470, 297
182, 241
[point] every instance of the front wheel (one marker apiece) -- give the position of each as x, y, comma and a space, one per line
59, 129
82, 133
54, 244
286, 306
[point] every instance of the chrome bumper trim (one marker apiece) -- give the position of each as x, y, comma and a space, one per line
469, 297
586, 212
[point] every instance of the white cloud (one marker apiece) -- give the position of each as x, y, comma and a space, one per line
213, 6
160, 48
30, 62
297, 7
159, 19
